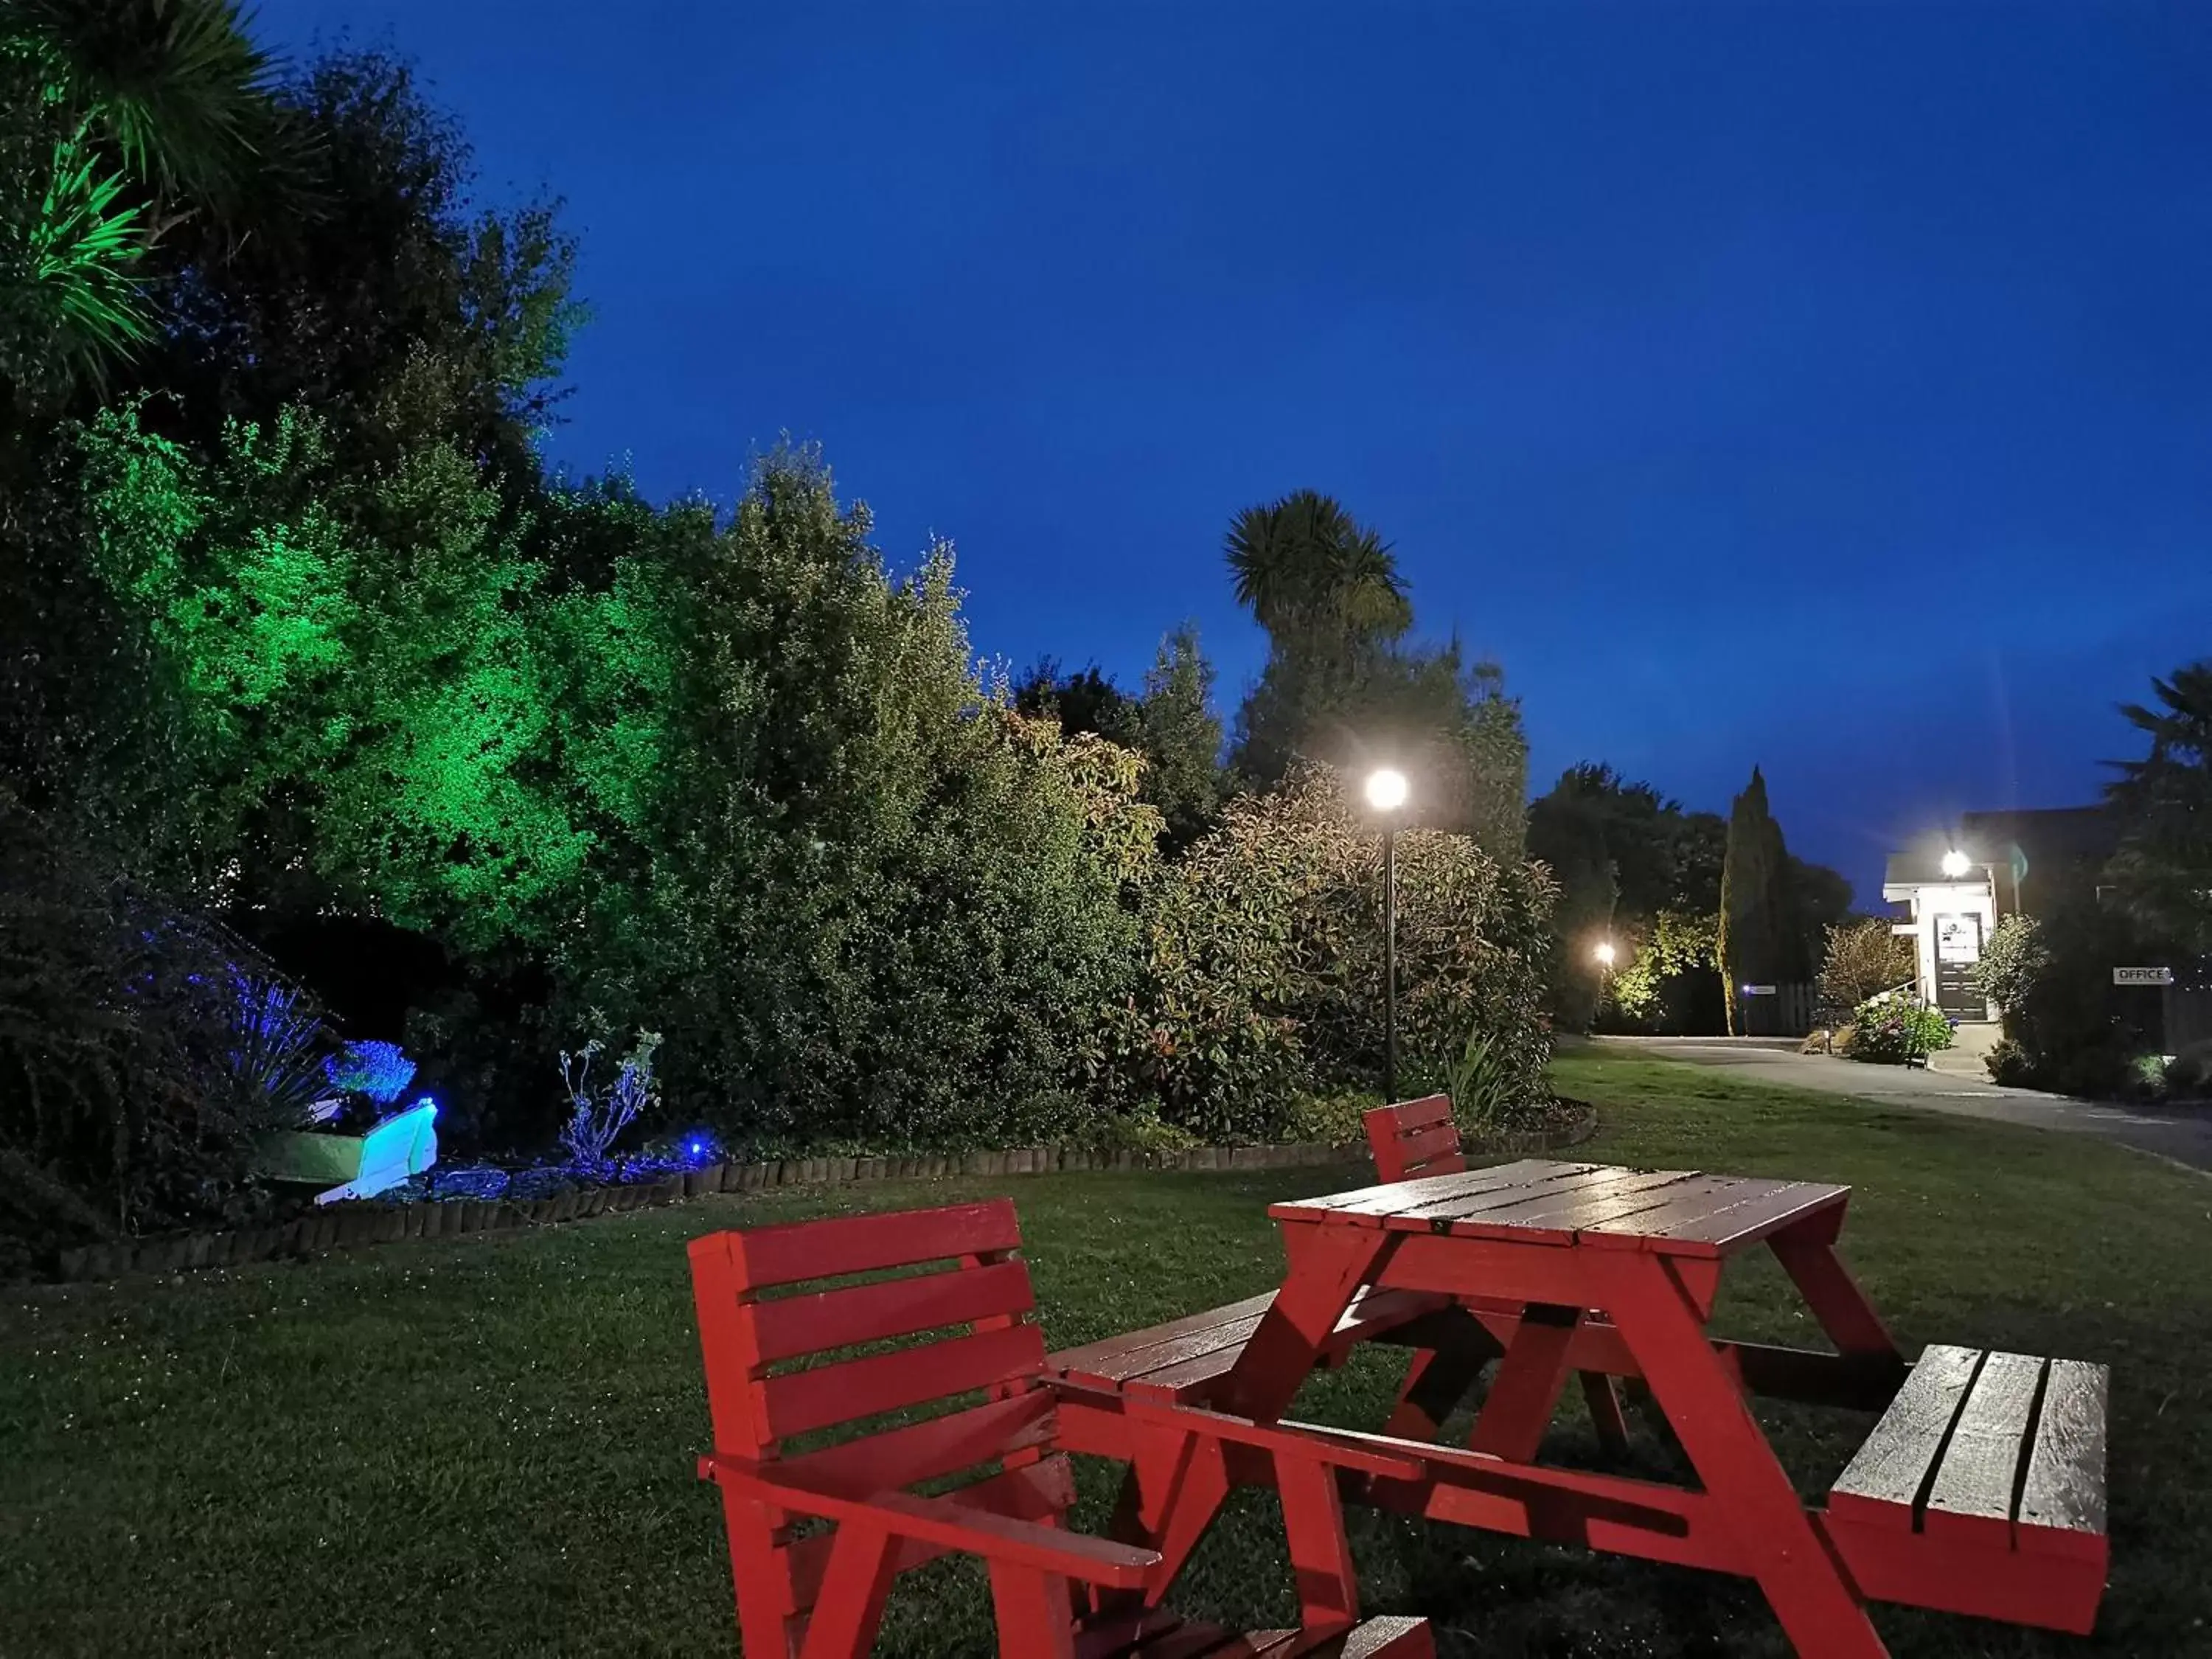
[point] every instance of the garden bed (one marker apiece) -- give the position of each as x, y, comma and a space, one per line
413, 1211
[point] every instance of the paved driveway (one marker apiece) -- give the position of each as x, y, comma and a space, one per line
2184, 1137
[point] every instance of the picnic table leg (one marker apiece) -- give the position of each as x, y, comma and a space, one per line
1603, 1399
1328, 1266
1440, 1377
1526, 1390
1660, 1318
1808, 1254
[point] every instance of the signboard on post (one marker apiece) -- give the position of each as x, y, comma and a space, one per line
2142, 976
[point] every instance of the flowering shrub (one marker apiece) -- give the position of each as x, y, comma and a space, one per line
1893, 1028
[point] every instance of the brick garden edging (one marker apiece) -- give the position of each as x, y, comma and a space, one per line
350, 1226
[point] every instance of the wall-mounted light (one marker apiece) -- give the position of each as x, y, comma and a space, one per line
1956, 864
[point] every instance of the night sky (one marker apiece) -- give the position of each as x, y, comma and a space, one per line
1830, 389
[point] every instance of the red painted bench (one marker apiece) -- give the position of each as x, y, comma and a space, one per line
793, 1321
1982, 1490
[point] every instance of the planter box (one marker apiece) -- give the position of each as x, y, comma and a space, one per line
354, 1166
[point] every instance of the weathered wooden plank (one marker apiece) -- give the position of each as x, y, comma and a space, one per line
1109, 1351
1753, 1216
1594, 1203
1886, 1477
915, 1452
1381, 1199
1426, 1211
1188, 1354
1974, 1489
2062, 1501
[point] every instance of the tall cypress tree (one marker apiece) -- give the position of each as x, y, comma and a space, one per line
1754, 905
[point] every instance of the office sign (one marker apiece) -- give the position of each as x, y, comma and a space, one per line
2142, 976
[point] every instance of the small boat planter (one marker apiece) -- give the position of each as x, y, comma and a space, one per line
354, 1166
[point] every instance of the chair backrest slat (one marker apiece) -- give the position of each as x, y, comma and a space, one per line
796, 1251
1414, 1138
811, 1323
803, 1402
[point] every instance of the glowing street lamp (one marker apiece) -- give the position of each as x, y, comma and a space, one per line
1956, 864
1605, 954
1386, 789
1386, 793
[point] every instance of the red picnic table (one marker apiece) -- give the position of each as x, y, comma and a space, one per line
1980, 1491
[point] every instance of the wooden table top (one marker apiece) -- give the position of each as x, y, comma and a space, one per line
1542, 1200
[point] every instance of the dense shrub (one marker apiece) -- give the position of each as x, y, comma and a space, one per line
865, 899
2066, 1028
1261, 968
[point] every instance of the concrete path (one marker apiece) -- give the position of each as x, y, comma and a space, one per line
2185, 1137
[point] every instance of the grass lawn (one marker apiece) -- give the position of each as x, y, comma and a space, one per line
483, 1446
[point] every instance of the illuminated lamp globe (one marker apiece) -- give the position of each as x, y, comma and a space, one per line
1604, 953
1386, 790
1956, 864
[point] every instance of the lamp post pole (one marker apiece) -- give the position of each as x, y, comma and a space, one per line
1389, 962
1386, 793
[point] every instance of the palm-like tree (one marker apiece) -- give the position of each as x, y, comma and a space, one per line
1302, 564
2164, 866
121, 117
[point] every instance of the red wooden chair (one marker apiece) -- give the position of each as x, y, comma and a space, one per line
1057, 1594
1414, 1138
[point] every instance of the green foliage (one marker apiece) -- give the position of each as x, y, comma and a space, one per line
1754, 944
1862, 958
2066, 1027
1307, 568
1180, 736
1485, 1086
1260, 968
117, 122
2164, 866
1625, 857
875, 903
1653, 966
1892, 1028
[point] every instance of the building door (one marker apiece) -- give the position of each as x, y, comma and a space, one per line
1957, 953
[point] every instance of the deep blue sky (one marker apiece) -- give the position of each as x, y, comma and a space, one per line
1831, 389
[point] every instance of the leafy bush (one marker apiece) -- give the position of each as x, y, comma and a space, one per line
1331, 1120
1261, 968
1892, 1028
2065, 1028
861, 897
1862, 959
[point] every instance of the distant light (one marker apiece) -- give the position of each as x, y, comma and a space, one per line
697, 1147
1386, 789
1956, 864
1604, 953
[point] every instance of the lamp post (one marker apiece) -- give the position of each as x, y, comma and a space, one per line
1386, 793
